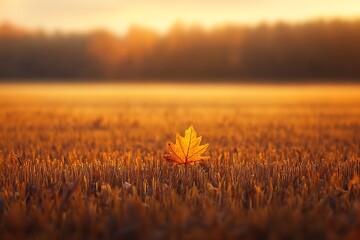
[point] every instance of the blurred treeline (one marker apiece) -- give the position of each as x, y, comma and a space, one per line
313, 50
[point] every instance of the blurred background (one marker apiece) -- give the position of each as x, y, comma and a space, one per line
180, 41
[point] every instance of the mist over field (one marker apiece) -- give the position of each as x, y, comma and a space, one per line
313, 51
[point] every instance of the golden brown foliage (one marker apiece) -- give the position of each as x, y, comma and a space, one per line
85, 163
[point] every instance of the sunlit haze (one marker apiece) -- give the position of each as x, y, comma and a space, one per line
119, 15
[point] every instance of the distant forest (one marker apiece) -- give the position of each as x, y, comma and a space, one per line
321, 50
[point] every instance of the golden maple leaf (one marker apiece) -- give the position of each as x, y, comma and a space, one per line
187, 149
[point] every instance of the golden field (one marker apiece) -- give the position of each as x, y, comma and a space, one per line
85, 162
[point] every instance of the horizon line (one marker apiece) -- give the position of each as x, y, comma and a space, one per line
182, 23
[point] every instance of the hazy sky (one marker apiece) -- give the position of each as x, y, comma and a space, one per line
118, 15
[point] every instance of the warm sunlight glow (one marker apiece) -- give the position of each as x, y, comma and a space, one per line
118, 15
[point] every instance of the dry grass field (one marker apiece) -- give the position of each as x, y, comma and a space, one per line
85, 162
